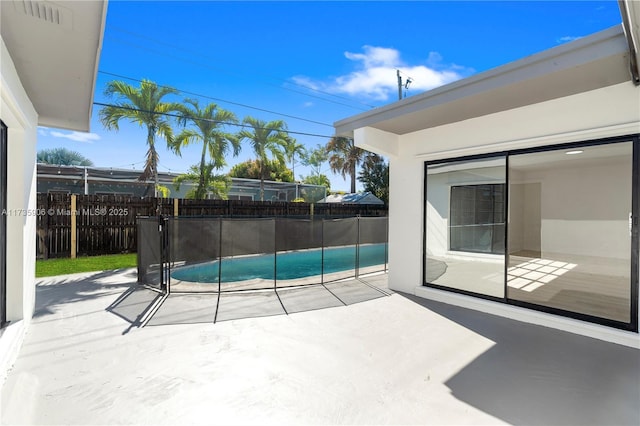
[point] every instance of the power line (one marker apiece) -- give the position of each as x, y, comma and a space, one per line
228, 123
222, 100
168, 168
122, 30
127, 164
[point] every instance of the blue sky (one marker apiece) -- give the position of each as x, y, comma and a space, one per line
309, 63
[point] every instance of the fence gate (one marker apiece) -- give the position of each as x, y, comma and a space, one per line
153, 253
165, 261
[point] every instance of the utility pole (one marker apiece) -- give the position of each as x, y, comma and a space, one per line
406, 84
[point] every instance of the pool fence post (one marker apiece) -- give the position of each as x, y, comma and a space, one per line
275, 258
386, 244
161, 241
357, 246
321, 251
167, 254
74, 227
215, 317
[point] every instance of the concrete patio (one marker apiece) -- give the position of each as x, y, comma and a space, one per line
377, 357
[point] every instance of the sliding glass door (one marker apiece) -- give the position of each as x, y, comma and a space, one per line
569, 229
552, 228
465, 225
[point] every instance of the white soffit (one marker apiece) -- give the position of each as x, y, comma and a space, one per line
55, 47
590, 63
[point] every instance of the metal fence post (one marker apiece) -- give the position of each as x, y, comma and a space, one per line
357, 246
74, 227
322, 251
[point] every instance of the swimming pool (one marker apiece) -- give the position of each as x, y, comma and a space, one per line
289, 265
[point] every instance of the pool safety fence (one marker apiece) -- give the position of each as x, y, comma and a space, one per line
217, 255
70, 225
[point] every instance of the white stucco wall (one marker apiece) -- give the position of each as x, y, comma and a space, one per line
17, 112
606, 112
576, 118
405, 222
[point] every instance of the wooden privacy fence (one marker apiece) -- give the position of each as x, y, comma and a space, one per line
70, 225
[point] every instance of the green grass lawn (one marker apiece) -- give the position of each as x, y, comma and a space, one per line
51, 267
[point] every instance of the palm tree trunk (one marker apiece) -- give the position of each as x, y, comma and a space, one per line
353, 178
200, 191
261, 180
153, 158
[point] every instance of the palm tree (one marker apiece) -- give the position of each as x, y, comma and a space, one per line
218, 185
141, 105
291, 148
344, 158
265, 137
206, 129
63, 157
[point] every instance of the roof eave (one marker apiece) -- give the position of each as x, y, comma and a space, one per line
55, 48
561, 71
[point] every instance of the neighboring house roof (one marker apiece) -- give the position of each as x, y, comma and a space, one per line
356, 198
589, 63
52, 171
130, 176
55, 48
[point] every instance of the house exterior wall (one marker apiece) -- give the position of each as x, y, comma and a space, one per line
605, 112
18, 113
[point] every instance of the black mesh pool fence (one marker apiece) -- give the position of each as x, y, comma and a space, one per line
214, 255
149, 252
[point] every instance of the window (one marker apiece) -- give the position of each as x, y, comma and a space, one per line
477, 218
240, 197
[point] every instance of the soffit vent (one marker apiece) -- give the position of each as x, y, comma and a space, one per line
45, 11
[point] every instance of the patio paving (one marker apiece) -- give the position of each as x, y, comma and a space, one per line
373, 358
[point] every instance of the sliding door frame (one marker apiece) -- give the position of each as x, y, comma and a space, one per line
632, 325
3, 222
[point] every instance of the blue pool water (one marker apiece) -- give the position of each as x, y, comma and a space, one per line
290, 265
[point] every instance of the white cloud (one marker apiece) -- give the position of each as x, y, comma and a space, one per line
375, 75
374, 57
76, 136
567, 39
307, 104
307, 82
